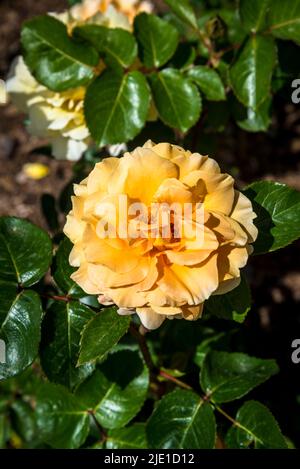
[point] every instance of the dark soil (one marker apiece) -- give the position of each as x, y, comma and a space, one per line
21, 196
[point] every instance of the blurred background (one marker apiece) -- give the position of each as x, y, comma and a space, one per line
274, 321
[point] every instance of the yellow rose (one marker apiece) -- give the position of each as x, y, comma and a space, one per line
135, 262
57, 117
3, 92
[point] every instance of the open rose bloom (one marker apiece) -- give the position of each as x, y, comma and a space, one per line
167, 264
59, 117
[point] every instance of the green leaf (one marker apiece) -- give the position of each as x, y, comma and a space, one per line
184, 56
233, 305
212, 342
4, 398
284, 19
251, 120
54, 59
252, 71
24, 421
255, 426
101, 334
277, 207
117, 46
235, 31
62, 271
4, 430
62, 420
25, 251
20, 322
229, 376
184, 11
177, 100
253, 14
157, 39
62, 327
117, 389
208, 81
133, 437
116, 107
181, 420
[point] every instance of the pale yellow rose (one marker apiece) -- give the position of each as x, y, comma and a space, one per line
3, 92
155, 276
57, 117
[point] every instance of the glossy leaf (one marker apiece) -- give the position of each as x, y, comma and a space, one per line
62, 271
55, 60
62, 420
177, 99
208, 81
4, 430
253, 13
233, 305
235, 31
117, 46
184, 56
157, 39
116, 107
182, 420
62, 327
212, 342
277, 207
250, 120
25, 251
24, 420
256, 427
284, 19
20, 322
228, 376
101, 334
117, 389
133, 437
252, 71
184, 11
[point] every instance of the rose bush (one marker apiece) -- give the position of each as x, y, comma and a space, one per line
159, 229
